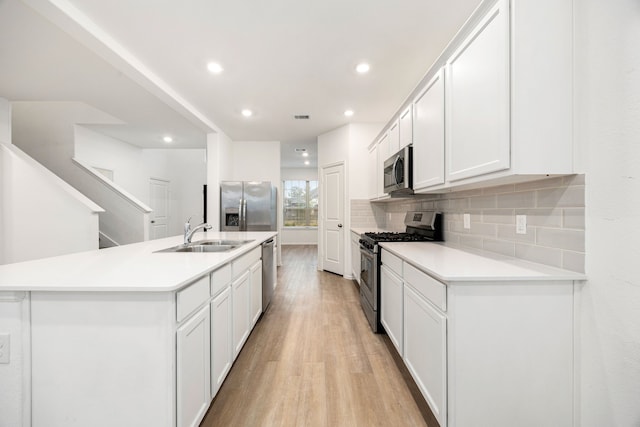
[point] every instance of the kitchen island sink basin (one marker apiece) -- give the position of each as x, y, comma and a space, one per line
217, 245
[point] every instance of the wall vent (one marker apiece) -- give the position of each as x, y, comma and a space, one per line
301, 117
301, 150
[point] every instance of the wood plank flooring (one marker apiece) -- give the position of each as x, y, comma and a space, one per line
312, 360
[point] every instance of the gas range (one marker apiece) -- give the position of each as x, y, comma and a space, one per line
421, 227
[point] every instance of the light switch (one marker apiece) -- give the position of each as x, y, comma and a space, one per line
521, 224
467, 221
4, 348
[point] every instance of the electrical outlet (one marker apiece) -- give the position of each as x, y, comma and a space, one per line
521, 224
467, 221
4, 348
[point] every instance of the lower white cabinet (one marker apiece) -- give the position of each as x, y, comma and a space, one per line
425, 350
355, 256
256, 292
221, 343
391, 305
192, 369
241, 289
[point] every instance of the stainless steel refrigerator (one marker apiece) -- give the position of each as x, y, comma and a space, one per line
247, 206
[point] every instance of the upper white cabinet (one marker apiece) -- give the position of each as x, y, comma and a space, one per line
394, 139
372, 177
508, 107
406, 127
428, 134
478, 99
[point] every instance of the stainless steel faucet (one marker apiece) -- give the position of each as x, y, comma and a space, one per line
188, 232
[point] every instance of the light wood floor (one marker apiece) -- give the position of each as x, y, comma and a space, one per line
312, 360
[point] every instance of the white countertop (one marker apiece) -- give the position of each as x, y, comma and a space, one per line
450, 264
133, 267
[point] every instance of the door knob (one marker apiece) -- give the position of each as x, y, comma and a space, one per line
153, 222
339, 225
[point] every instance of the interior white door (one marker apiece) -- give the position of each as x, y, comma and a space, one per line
333, 218
159, 201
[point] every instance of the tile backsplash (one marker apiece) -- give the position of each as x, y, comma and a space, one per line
554, 210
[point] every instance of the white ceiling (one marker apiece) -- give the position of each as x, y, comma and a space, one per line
280, 58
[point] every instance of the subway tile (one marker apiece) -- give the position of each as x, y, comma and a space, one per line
561, 197
482, 229
428, 205
524, 199
541, 183
574, 179
471, 241
459, 204
573, 218
542, 217
508, 232
572, 240
458, 227
483, 202
573, 261
442, 205
499, 216
451, 238
499, 189
541, 255
500, 247
466, 193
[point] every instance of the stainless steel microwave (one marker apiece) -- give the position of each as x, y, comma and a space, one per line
398, 173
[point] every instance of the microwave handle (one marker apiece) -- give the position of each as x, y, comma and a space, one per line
393, 170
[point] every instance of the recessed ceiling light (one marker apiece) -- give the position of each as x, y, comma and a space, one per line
247, 113
305, 154
306, 162
348, 113
215, 68
167, 139
363, 68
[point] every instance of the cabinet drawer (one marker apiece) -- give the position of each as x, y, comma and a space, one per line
243, 263
220, 279
427, 286
392, 262
191, 297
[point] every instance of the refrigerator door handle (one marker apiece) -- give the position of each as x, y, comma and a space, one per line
243, 215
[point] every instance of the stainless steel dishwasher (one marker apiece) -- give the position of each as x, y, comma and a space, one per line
268, 272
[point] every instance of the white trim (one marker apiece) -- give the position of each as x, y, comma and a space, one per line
113, 186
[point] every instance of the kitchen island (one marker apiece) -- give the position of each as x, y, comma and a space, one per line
126, 336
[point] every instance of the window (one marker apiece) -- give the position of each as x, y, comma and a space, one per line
300, 203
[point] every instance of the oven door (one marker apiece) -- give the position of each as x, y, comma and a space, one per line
369, 277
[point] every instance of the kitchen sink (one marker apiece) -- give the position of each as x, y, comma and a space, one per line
217, 245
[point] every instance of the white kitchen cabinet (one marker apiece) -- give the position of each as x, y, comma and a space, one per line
478, 140
425, 350
193, 369
391, 302
382, 154
355, 256
256, 292
394, 138
241, 293
428, 134
221, 339
406, 127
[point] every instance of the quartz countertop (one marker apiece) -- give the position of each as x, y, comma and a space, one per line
134, 267
452, 264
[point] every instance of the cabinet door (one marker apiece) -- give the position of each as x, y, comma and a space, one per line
428, 134
383, 154
425, 346
373, 172
391, 306
478, 140
193, 364
394, 138
241, 289
406, 127
355, 256
256, 292
222, 345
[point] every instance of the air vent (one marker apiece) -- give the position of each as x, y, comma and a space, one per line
300, 150
301, 117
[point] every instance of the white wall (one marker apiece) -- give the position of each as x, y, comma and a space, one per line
219, 168
607, 121
5, 121
133, 167
299, 236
